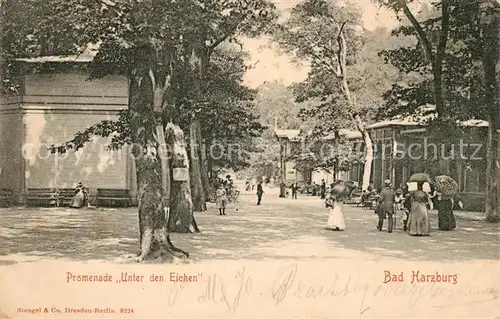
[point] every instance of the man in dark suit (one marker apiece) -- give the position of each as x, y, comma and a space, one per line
323, 189
282, 190
386, 206
294, 190
260, 191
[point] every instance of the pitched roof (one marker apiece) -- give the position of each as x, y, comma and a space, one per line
349, 134
412, 122
395, 122
290, 134
59, 59
86, 56
474, 123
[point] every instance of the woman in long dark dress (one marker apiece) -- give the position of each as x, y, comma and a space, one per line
446, 218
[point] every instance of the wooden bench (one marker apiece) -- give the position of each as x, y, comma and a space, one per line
354, 201
371, 202
6, 196
109, 197
42, 197
65, 196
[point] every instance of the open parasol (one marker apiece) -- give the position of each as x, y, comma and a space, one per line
339, 190
420, 177
446, 185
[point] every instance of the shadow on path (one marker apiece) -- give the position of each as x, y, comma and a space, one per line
280, 228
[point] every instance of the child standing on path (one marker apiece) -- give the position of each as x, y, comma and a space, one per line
221, 199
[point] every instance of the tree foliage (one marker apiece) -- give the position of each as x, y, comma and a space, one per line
165, 48
125, 30
461, 78
311, 33
457, 49
344, 78
276, 107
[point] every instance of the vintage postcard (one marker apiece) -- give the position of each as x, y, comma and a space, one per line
249, 159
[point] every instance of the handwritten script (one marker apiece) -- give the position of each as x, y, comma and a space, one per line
293, 283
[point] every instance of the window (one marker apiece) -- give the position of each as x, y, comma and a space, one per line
473, 177
294, 147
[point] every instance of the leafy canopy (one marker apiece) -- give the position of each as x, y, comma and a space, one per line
464, 90
163, 36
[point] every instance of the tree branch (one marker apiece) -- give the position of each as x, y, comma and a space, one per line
224, 37
342, 65
341, 54
110, 4
420, 32
443, 35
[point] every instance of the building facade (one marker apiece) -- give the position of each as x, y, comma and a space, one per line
289, 141
49, 109
403, 147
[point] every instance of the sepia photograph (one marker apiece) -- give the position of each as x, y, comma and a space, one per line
249, 159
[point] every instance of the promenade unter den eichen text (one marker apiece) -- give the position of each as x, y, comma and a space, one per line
231, 290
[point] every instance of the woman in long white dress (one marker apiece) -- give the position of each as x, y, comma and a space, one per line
336, 220
79, 200
419, 222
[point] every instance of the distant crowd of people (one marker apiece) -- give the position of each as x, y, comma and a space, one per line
312, 189
413, 201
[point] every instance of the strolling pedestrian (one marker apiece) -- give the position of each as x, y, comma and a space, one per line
282, 190
446, 194
323, 189
229, 182
335, 202
418, 221
260, 191
446, 217
406, 209
398, 205
386, 207
294, 190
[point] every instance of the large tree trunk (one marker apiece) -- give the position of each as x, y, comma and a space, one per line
154, 236
210, 167
351, 101
367, 171
205, 171
492, 203
197, 189
181, 206
491, 31
336, 172
434, 59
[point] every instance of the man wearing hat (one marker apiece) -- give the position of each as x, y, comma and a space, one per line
386, 206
